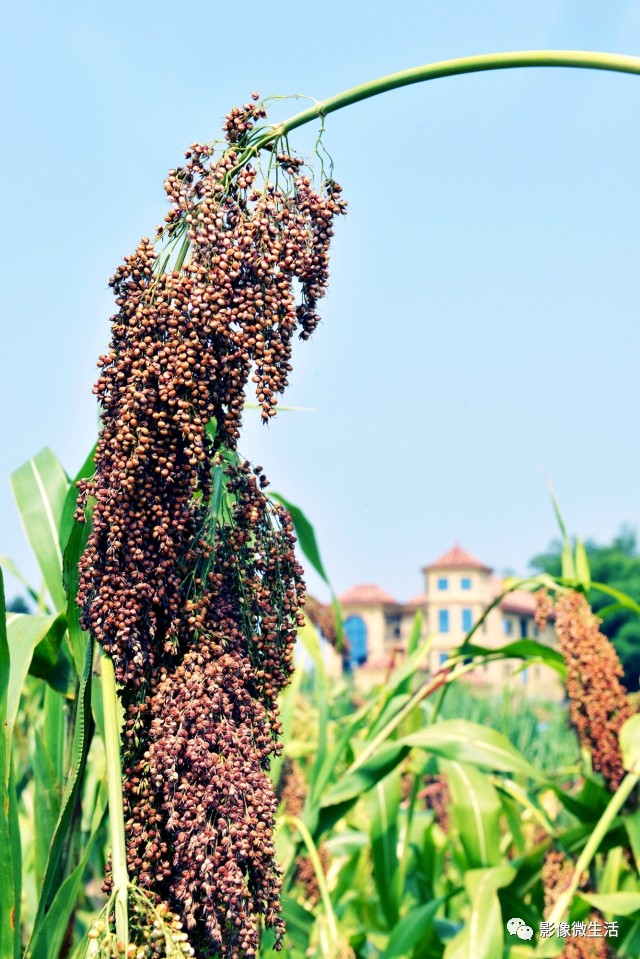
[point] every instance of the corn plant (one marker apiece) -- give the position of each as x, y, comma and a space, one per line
171, 575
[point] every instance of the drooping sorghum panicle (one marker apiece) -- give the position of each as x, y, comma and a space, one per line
588, 947
436, 797
183, 347
599, 704
323, 617
544, 608
556, 878
292, 788
189, 580
200, 806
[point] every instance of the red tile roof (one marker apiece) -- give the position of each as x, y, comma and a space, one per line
517, 601
366, 593
418, 600
458, 558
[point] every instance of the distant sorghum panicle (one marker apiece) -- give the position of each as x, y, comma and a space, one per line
437, 799
292, 793
323, 617
543, 609
189, 579
557, 871
599, 704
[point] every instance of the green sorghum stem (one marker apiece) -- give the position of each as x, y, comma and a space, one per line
119, 875
580, 59
449, 68
618, 800
443, 676
312, 853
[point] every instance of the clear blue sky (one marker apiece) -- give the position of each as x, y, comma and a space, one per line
481, 330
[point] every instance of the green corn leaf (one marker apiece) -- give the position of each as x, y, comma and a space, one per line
400, 680
48, 773
78, 639
323, 774
383, 802
69, 507
415, 929
583, 573
588, 806
632, 825
10, 857
309, 545
608, 610
309, 639
621, 598
482, 936
526, 649
463, 741
53, 878
510, 788
55, 923
568, 565
59, 673
612, 874
393, 706
299, 924
306, 536
614, 903
365, 777
40, 489
630, 744
476, 806
32, 640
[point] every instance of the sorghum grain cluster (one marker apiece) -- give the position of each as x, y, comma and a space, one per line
599, 704
557, 871
189, 579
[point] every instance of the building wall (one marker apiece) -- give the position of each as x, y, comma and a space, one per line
373, 618
471, 590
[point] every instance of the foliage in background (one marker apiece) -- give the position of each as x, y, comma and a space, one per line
412, 824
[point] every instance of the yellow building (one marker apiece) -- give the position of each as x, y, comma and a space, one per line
458, 588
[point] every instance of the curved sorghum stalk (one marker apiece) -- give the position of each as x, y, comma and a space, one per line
198, 609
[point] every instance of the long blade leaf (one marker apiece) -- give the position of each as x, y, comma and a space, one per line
40, 489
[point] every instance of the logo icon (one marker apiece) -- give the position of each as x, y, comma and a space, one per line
518, 927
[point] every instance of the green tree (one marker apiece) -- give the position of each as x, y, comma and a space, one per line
618, 565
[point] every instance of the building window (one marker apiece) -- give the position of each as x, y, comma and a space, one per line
442, 658
524, 622
536, 631
507, 626
393, 626
465, 582
443, 583
356, 632
443, 620
467, 620
525, 676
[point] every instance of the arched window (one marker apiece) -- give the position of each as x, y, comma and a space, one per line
356, 631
